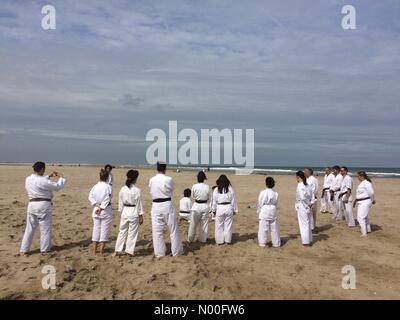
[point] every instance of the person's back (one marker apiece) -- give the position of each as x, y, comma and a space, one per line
161, 186
163, 213
268, 202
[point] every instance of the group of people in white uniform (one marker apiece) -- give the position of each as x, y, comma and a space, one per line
218, 203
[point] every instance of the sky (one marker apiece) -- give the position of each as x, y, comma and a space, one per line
89, 91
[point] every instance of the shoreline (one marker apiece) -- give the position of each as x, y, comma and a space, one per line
273, 170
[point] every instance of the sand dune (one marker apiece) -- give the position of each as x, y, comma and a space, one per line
240, 271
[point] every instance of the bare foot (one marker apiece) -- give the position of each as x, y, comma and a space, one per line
24, 254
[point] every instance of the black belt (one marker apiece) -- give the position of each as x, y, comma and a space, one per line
361, 199
129, 205
201, 201
183, 211
223, 203
342, 194
39, 200
325, 189
161, 200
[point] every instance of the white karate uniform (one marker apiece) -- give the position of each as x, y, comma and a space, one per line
39, 213
129, 225
110, 179
336, 185
346, 209
224, 214
304, 197
185, 206
326, 203
364, 190
267, 215
200, 212
163, 213
313, 183
101, 194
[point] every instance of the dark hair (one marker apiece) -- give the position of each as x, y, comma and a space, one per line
38, 166
309, 169
108, 166
270, 182
161, 166
336, 168
103, 175
187, 193
302, 176
223, 184
201, 176
131, 177
364, 174
213, 187
345, 169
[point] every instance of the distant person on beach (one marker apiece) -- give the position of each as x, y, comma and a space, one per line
365, 198
212, 214
100, 198
39, 212
163, 212
224, 207
268, 215
335, 191
345, 198
200, 209
130, 205
313, 183
326, 203
185, 205
304, 203
110, 179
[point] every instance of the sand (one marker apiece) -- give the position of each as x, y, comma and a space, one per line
242, 270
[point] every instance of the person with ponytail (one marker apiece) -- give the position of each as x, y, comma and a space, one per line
304, 203
131, 207
365, 198
224, 207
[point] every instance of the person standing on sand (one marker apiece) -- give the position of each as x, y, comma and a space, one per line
100, 198
304, 202
326, 203
163, 213
312, 181
365, 199
200, 208
345, 197
39, 213
224, 207
131, 207
110, 179
267, 215
335, 191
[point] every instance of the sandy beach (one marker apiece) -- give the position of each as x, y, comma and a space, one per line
242, 270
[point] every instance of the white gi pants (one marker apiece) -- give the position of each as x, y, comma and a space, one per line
102, 225
163, 214
337, 214
313, 216
38, 214
200, 219
223, 224
346, 209
128, 234
304, 218
363, 210
326, 203
268, 226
